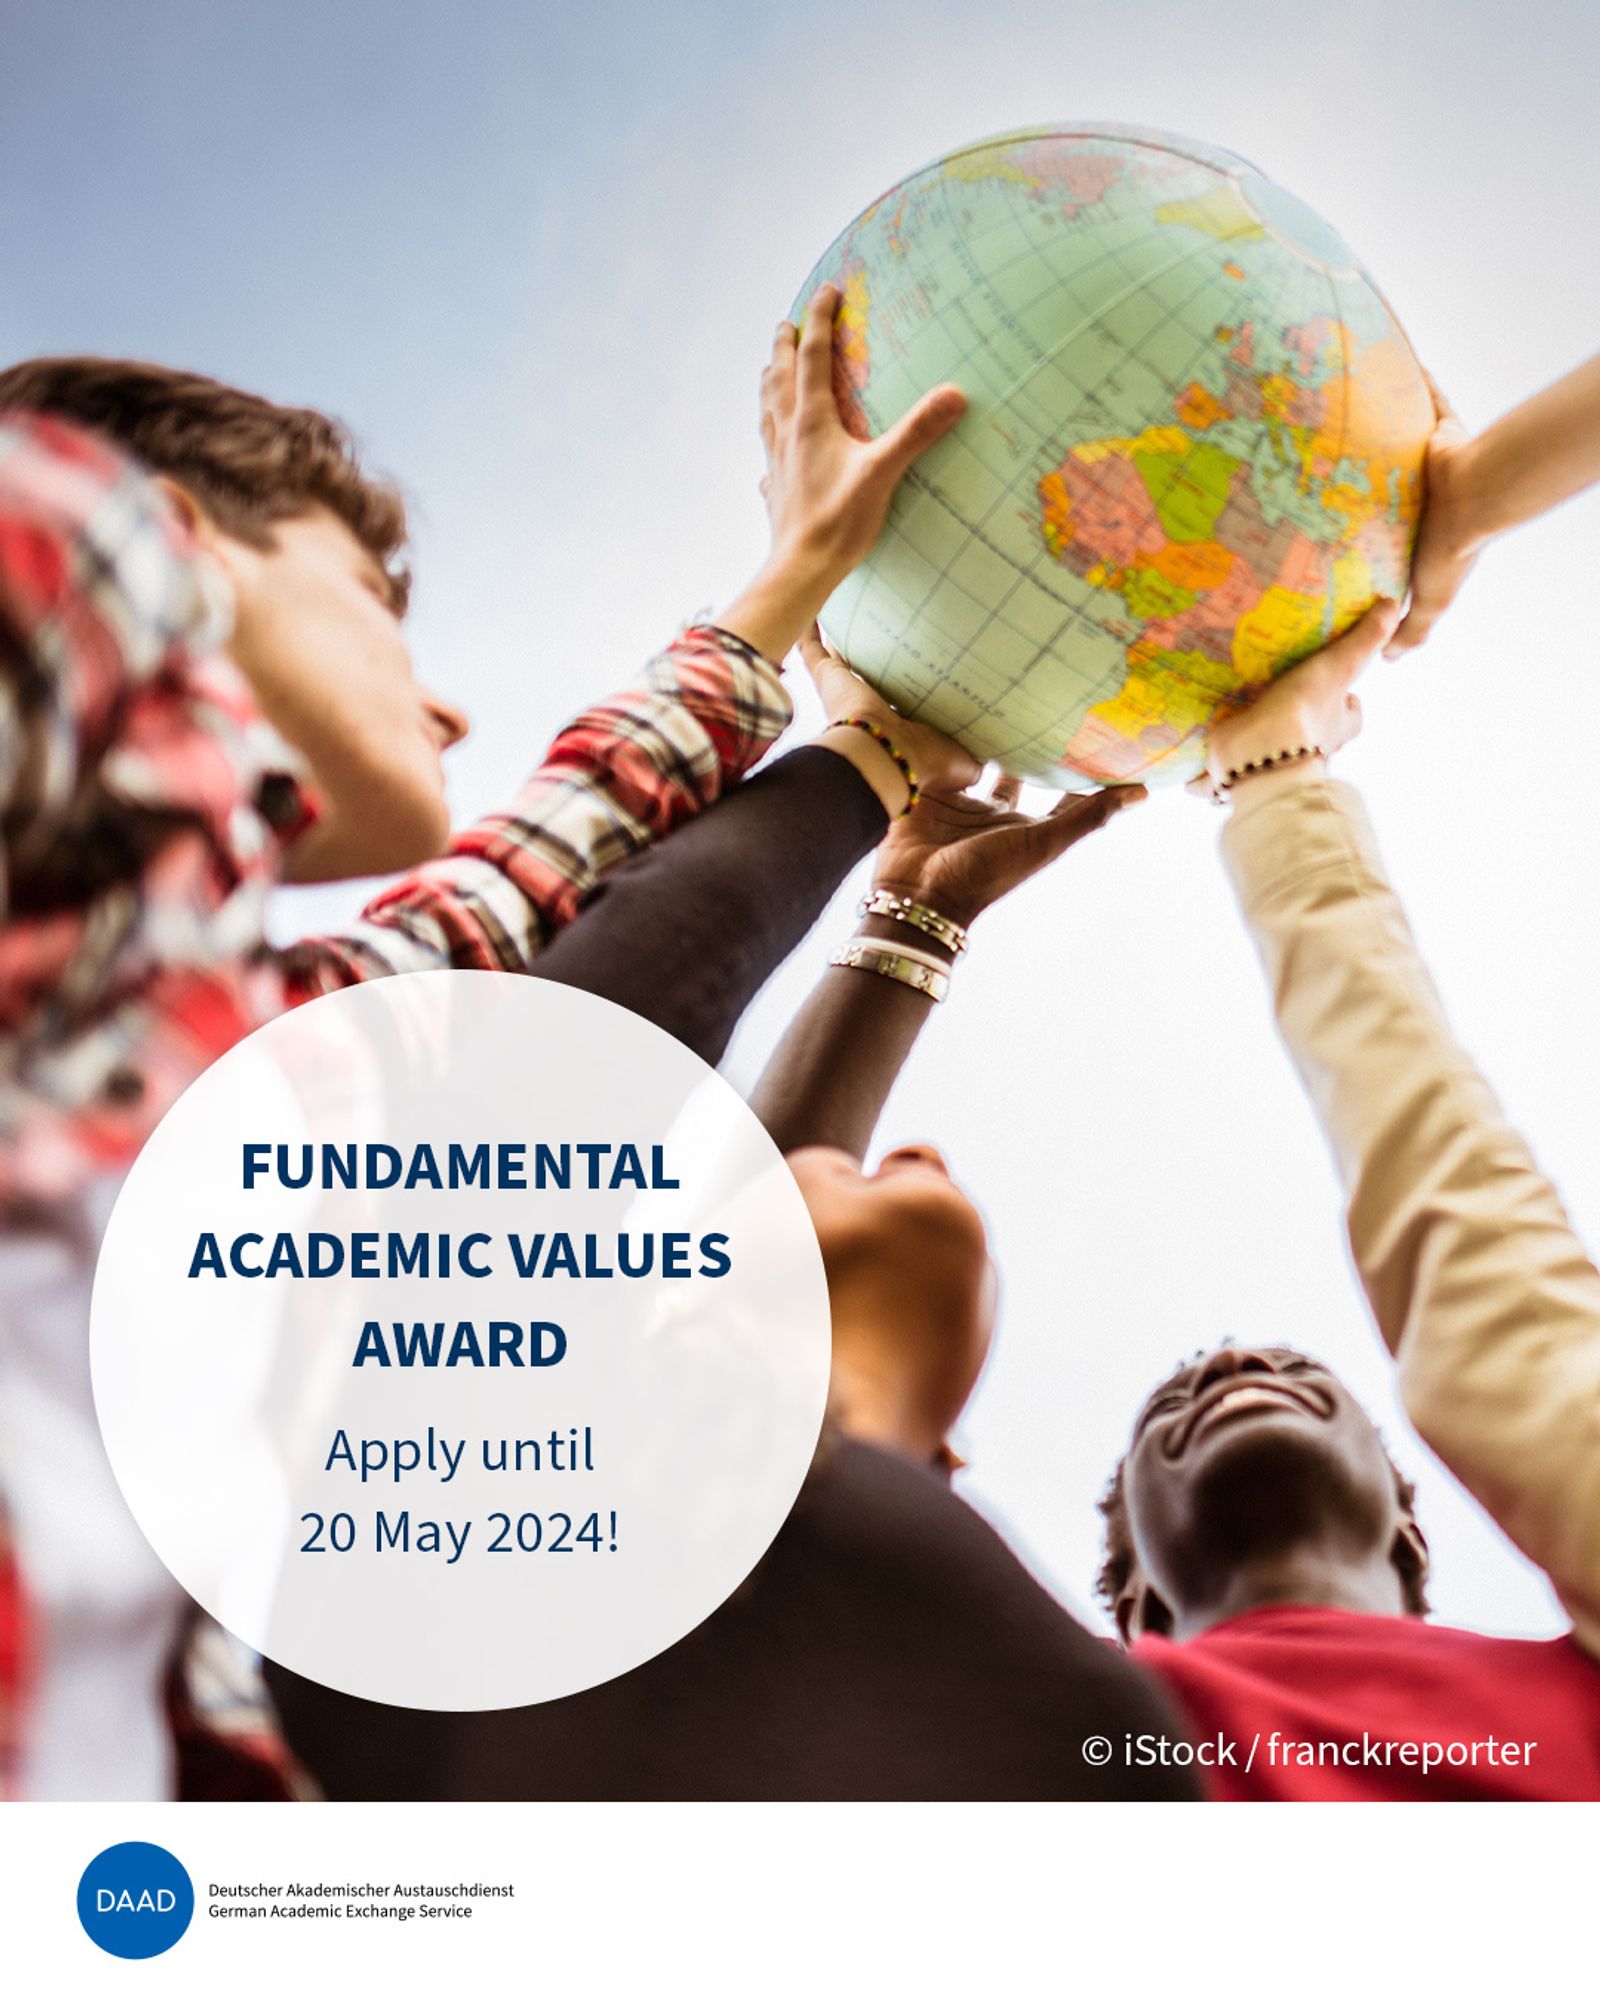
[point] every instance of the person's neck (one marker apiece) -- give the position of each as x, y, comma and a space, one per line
877, 1405
1308, 1576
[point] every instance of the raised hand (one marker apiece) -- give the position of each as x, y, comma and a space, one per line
958, 854
1304, 716
1449, 540
938, 764
826, 491
1533, 458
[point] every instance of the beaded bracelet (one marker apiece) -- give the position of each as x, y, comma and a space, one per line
897, 757
1256, 764
902, 910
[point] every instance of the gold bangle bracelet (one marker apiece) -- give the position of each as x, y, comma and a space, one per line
902, 910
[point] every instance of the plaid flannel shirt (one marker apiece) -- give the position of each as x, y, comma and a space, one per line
144, 809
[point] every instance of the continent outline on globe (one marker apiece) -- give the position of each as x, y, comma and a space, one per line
1192, 455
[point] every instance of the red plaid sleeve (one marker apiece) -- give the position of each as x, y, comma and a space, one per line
623, 774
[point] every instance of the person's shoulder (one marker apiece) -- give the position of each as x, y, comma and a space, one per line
84, 527
862, 1497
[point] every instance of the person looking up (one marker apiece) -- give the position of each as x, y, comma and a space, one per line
207, 690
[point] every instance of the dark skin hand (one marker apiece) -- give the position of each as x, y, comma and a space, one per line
829, 1078
959, 853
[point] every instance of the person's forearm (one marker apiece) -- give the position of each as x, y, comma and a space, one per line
688, 932
829, 1078
1536, 456
779, 604
1478, 1283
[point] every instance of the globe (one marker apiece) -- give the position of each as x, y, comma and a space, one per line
1192, 454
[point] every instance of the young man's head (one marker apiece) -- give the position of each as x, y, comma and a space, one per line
313, 550
912, 1289
1253, 1477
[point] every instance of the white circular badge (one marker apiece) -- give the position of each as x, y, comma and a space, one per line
460, 1340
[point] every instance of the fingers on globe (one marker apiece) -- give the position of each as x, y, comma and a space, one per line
831, 676
1085, 812
1431, 595
1334, 671
1443, 409
922, 426
817, 653
777, 379
1116, 800
1355, 650
1409, 638
814, 356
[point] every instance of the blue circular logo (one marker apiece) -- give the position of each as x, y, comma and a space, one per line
135, 1900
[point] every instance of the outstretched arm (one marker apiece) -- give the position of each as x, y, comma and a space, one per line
1537, 455
830, 1076
687, 933
642, 763
1481, 1289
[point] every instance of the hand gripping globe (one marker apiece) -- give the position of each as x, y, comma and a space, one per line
1192, 453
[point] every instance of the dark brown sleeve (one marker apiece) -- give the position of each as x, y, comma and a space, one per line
688, 932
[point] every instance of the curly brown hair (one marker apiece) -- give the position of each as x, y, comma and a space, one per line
246, 462
1119, 1558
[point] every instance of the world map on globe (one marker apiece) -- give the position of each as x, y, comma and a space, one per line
1192, 453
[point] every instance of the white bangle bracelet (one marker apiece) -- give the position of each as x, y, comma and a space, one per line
904, 963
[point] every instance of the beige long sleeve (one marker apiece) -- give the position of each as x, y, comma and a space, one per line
1484, 1294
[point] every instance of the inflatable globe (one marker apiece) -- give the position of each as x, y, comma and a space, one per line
1192, 455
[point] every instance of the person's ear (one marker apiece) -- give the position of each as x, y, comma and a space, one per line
1409, 1554
235, 560
184, 505
208, 538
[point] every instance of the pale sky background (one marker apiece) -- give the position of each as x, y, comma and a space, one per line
534, 255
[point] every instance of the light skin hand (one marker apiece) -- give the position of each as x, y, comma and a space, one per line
937, 763
1312, 706
1449, 540
1533, 458
827, 492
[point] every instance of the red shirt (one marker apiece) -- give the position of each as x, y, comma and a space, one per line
1304, 1702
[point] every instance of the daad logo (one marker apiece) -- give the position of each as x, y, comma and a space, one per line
135, 1900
